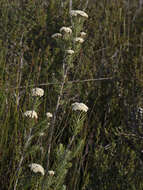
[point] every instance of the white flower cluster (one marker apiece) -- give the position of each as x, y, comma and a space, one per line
79, 107
37, 168
79, 40
57, 35
65, 30
51, 172
75, 13
31, 114
69, 52
82, 34
49, 115
37, 92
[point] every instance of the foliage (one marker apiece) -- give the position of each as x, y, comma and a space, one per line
101, 149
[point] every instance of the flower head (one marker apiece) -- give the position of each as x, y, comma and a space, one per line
78, 39
57, 35
65, 30
79, 107
37, 92
82, 34
75, 13
51, 172
37, 168
31, 114
49, 115
69, 52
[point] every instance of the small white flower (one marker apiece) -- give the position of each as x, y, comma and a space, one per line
69, 52
57, 35
66, 30
78, 13
37, 168
79, 107
78, 39
37, 92
31, 114
49, 115
82, 34
51, 172
140, 111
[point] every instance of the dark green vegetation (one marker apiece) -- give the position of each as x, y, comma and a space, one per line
106, 154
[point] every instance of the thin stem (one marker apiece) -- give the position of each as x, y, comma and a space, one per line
68, 82
17, 173
22, 158
70, 5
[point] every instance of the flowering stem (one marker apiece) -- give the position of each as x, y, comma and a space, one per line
65, 69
